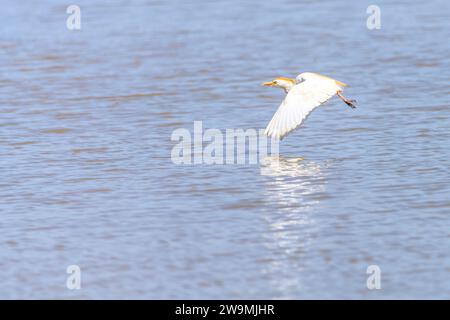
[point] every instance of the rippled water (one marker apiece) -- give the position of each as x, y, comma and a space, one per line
87, 179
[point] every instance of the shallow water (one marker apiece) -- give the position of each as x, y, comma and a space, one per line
87, 179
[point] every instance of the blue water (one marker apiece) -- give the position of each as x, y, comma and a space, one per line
87, 178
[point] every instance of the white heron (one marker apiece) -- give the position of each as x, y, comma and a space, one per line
304, 94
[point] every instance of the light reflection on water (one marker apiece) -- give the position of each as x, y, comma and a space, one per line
294, 180
87, 179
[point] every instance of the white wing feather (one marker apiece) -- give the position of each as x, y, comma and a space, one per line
300, 101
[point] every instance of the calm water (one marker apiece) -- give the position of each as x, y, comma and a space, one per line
87, 179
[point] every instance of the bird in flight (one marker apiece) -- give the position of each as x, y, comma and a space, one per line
304, 94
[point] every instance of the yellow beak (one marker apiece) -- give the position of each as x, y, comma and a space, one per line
268, 84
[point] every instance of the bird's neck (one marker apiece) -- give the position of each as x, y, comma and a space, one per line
287, 87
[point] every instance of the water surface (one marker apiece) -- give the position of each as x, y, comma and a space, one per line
87, 179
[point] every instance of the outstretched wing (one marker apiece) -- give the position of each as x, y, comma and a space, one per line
300, 101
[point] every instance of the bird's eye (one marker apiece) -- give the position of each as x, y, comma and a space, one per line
275, 82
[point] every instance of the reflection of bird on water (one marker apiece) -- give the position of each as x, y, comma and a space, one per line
304, 94
289, 167
294, 179
292, 190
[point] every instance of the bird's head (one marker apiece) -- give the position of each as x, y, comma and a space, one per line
281, 82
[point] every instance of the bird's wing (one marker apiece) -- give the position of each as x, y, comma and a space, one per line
300, 101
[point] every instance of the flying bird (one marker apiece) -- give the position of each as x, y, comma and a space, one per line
304, 94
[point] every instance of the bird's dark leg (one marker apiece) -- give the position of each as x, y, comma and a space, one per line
350, 103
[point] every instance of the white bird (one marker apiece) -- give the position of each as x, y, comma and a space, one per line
304, 94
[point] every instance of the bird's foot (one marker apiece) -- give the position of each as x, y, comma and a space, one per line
350, 103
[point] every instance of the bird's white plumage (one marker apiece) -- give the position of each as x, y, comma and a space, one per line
311, 91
